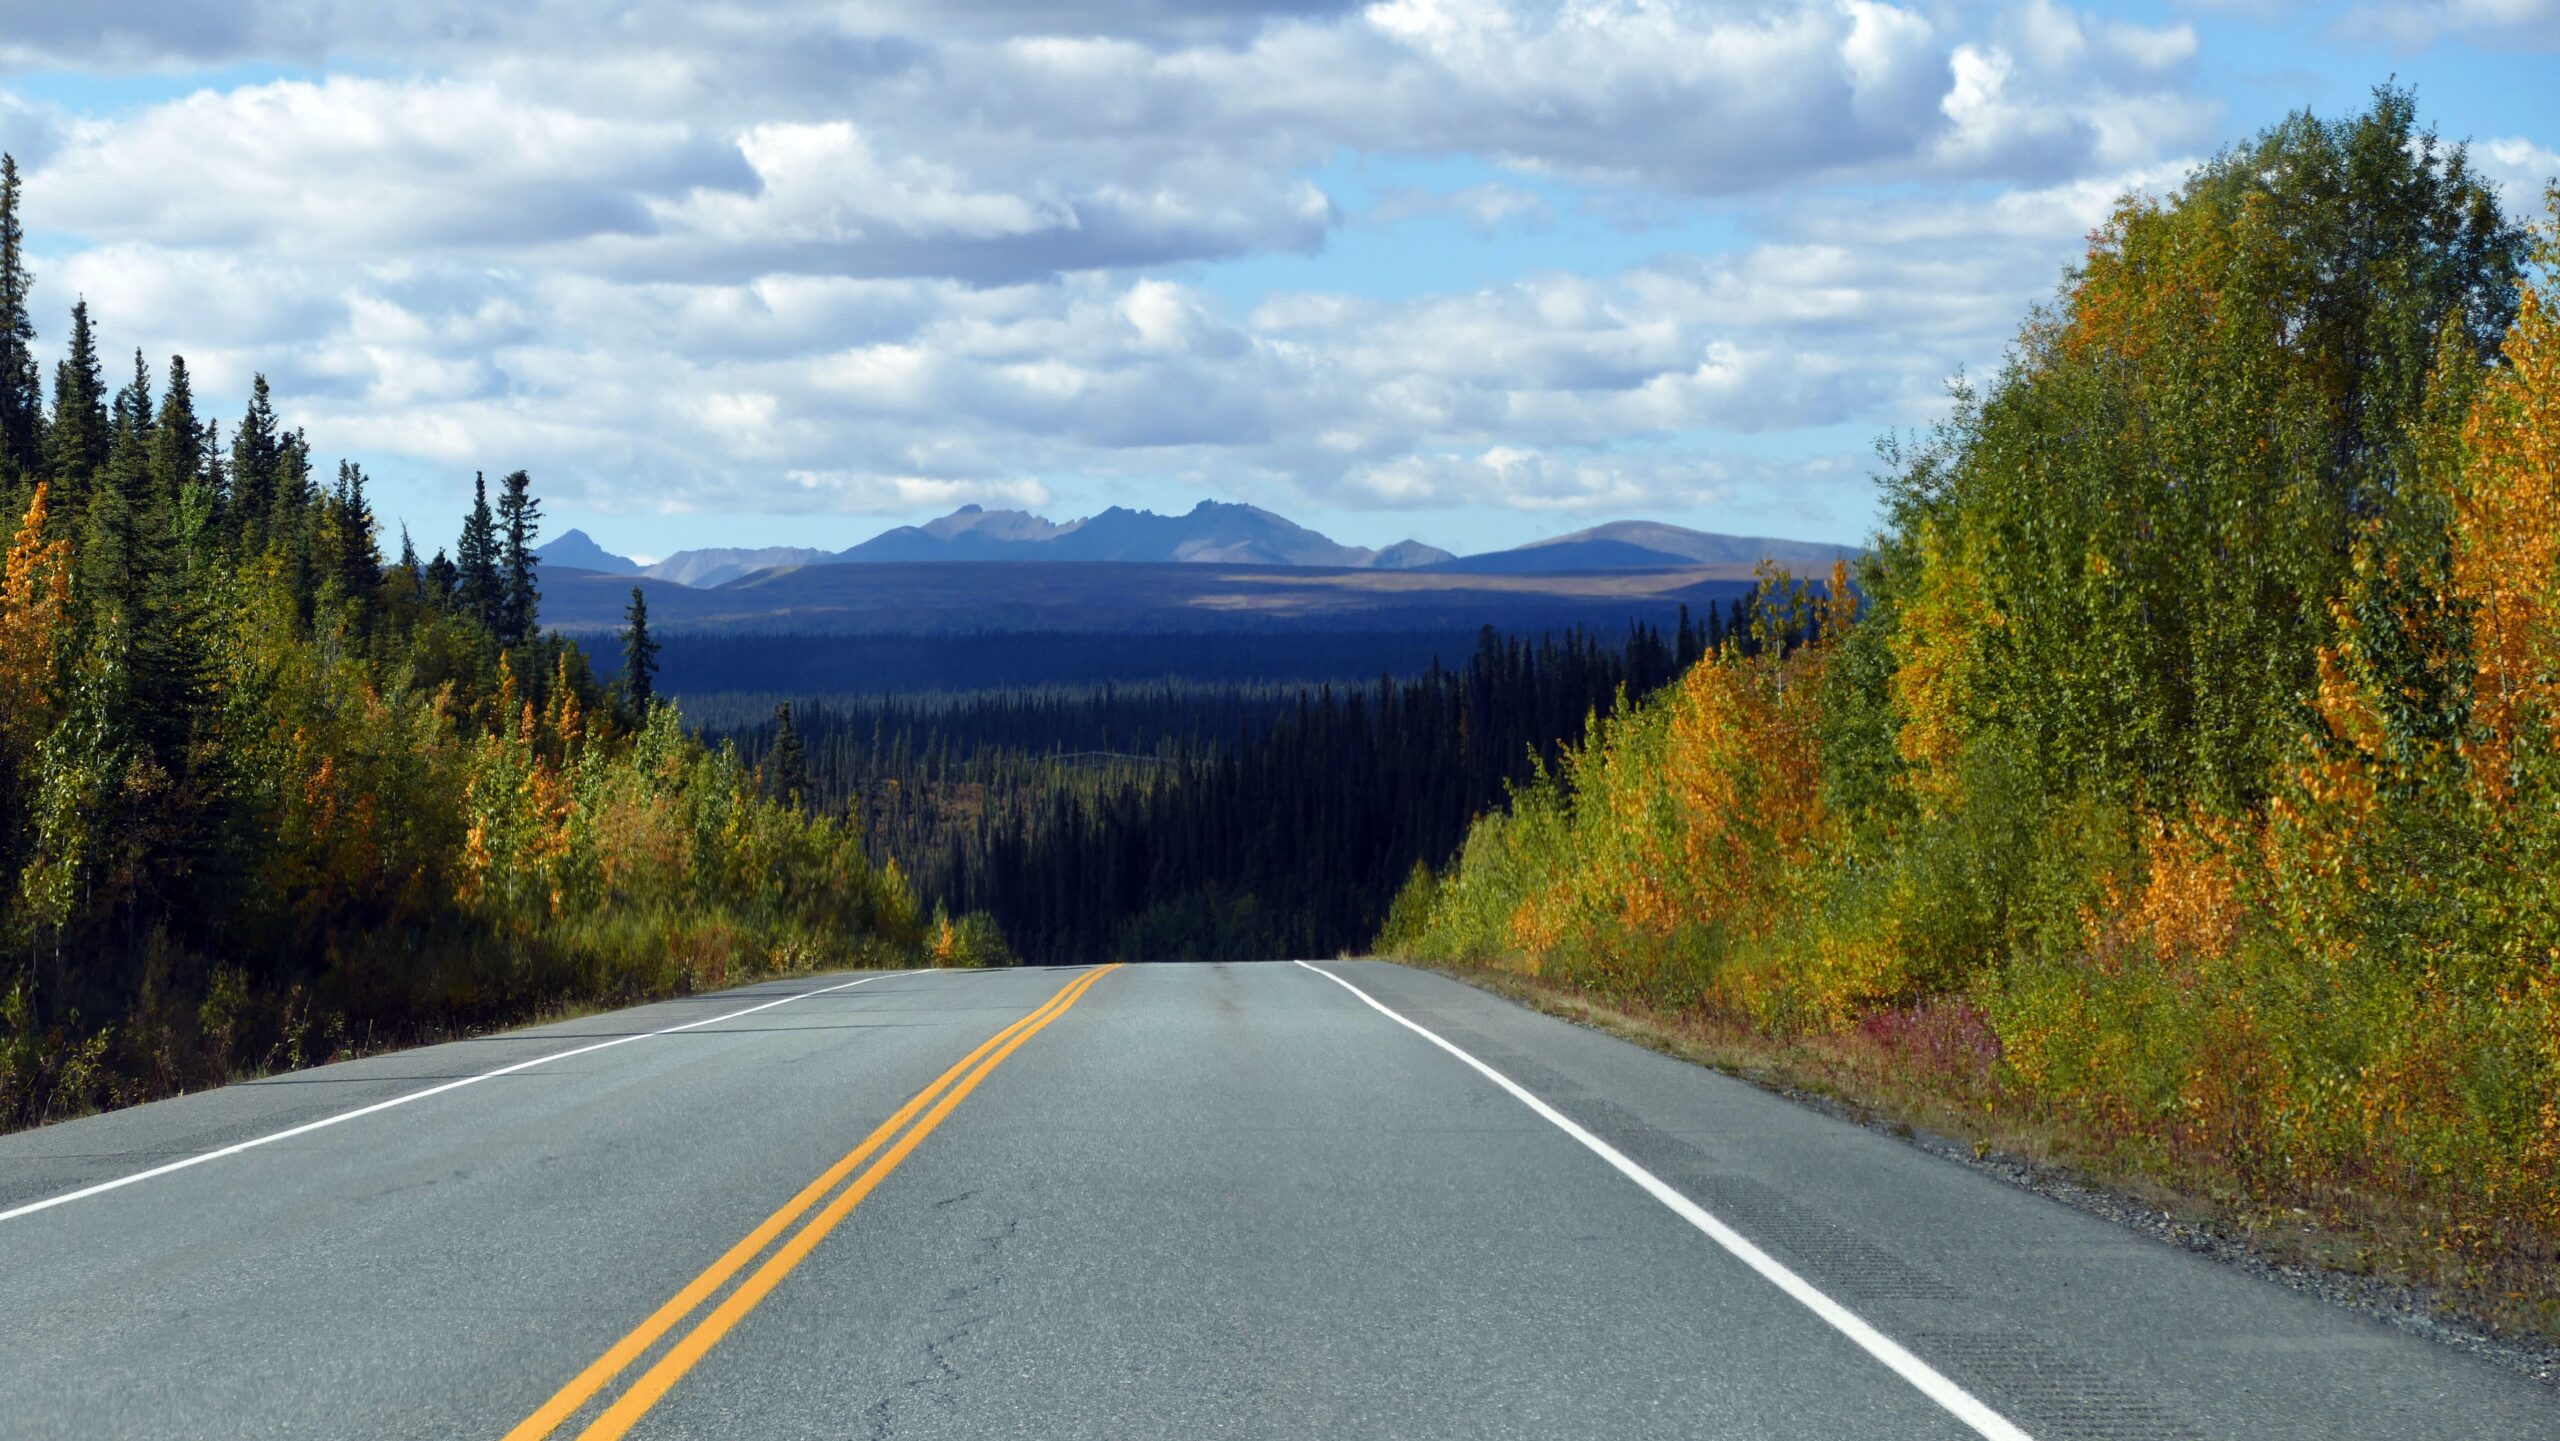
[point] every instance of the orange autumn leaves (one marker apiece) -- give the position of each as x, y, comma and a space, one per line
1677, 838
35, 598
2340, 974
2506, 552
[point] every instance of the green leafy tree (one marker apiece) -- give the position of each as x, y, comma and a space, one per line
2178, 468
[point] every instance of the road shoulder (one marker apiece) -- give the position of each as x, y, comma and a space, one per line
2294, 1256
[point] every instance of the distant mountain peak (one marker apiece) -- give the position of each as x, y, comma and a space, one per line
1212, 532
577, 550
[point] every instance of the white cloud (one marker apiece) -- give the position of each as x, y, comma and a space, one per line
828, 257
368, 167
2522, 171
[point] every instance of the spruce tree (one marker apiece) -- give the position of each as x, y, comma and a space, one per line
444, 582
256, 447
75, 447
478, 591
122, 544
639, 654
787, 773
290, 520
180, 505
21, 385
359, 563
214, 477
520, 524
293, 494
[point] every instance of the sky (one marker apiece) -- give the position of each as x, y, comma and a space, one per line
1472, 271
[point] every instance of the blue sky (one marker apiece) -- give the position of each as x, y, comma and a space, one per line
1475, 271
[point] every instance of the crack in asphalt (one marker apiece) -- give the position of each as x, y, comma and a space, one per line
938, 1385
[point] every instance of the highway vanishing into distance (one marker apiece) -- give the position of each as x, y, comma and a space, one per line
1337, 1200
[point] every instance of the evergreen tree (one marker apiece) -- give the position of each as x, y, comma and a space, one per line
289, 528
787, 771
169, 689
21, 386
256, 448
359, 564
520, 524
639, 654
75, 446
444, 582
479, 592
213, 477
118, 551
293, 495
180, 505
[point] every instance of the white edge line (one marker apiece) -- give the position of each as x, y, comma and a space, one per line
1930, 1382
234, 1149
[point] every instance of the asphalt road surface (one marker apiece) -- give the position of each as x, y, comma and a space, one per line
1158, 1201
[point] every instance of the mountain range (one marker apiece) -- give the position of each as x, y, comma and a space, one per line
1212, 533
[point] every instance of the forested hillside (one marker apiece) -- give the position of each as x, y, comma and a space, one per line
698, 664
265, 794
2190, 787
1181, 822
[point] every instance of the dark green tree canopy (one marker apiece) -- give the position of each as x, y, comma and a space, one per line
519, 525
21, 388
639, 653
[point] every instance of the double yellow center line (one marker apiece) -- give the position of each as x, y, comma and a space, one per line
933, 1103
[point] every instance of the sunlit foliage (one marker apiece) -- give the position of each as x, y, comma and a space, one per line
2200, 732
266, 796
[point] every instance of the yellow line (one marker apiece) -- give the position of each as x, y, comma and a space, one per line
587, 1383
697, 1343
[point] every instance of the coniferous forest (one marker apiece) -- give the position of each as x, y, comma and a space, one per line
267, 794
1181, 823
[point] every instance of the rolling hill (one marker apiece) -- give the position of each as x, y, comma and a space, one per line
1211, 533
959, 597
1702, 547
1565, 557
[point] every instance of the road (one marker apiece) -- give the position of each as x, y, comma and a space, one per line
1158, 1201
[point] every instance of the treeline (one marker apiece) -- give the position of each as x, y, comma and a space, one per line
1171, 823
264, 794
2199, 751
696, 664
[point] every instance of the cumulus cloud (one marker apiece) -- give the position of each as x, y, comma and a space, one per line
1115, 110
828, 257
369, 167
1555, 391
2522, 171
